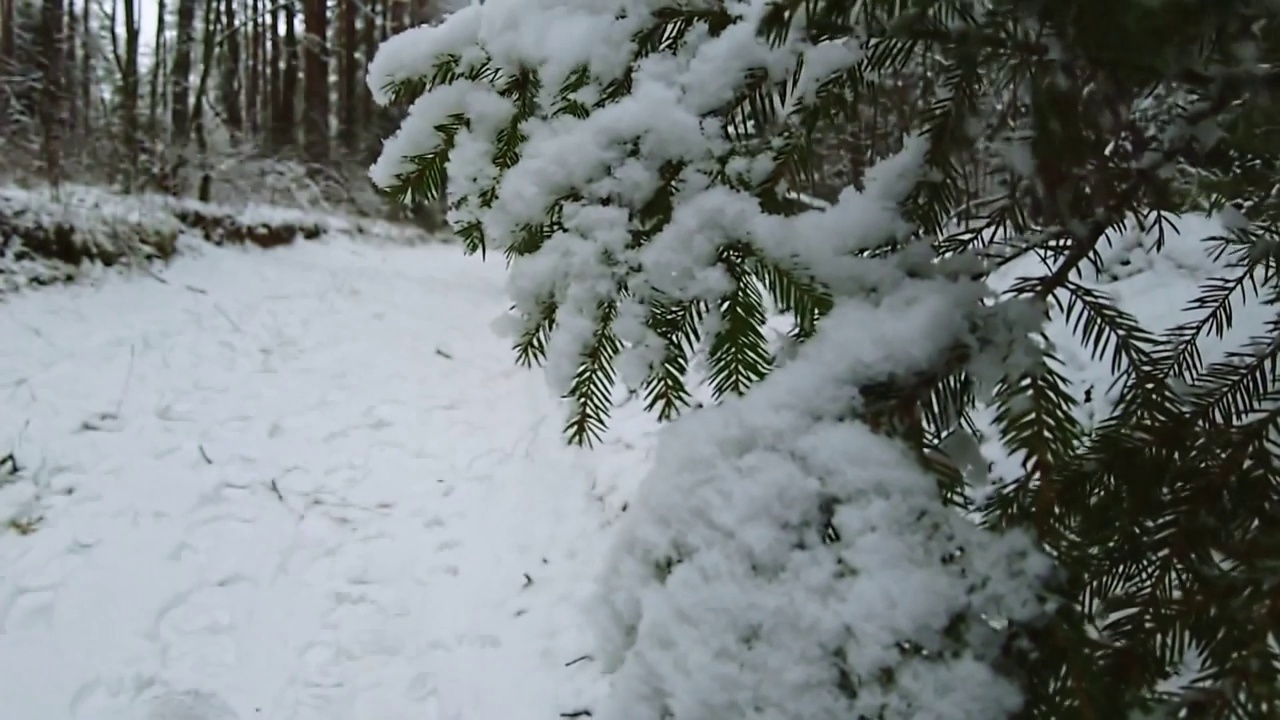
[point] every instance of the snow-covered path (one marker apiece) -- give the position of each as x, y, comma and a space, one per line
302, 484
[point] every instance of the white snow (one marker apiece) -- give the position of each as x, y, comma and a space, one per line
313, 489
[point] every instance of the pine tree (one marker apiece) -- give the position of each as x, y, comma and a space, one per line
644, 184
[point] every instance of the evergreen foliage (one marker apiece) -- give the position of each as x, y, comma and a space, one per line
1047, 127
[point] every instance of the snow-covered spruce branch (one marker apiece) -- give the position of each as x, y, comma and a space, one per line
604, 183
640, 227
639, 186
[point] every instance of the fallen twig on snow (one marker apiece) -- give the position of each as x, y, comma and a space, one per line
102, 422
235, 325
128, 376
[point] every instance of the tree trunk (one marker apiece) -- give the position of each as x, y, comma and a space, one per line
287, 112
252, 76
50, 103
207, 61
266, 29
71, 70
180, 94
369, 38
230, 85
348, 72
340, 53
8, 50
129, 94
397, 16
87, 81
154, 97
315, 91
274, 80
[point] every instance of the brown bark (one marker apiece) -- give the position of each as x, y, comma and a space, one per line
253, 73
397, 16
129, 137
315, 91
8, 50
71, 69
369, 38
180, 76
8, 44
348, 71
154, 96
50, 103
287, 101
87, 67
266, 31
233, 114
272, 96
207, 61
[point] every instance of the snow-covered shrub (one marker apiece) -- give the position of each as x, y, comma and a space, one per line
74, 227
254, 225
47, 235
237, 175
270, 226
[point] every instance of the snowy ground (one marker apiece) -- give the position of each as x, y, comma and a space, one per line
300, 484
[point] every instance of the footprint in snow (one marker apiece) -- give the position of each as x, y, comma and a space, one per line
189, 705
103, 422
